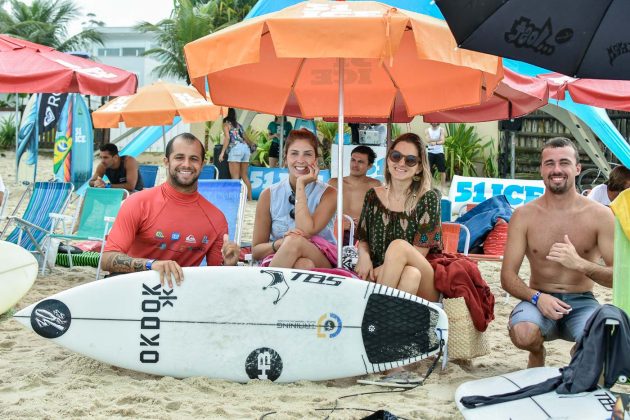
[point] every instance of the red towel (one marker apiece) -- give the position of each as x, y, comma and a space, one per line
458, 276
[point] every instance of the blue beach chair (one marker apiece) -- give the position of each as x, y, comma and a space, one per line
99, 207
148, 174
230, 196
35, 224
209, 172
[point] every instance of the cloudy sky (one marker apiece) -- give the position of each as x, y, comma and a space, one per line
124, 12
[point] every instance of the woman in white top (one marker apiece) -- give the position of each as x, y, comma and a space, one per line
435, 137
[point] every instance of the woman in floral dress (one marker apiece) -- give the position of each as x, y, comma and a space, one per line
400, 223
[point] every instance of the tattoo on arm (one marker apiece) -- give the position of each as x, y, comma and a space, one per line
122, 263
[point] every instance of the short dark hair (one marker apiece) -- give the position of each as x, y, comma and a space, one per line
559, 142
189, 138
618, 178
365, 150
109, 147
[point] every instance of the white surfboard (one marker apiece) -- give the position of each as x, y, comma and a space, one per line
18, 271
242, 323
587, 405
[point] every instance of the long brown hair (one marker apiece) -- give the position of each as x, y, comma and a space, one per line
421, 186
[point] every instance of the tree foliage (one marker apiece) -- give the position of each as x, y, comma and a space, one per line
45, 22
189, 20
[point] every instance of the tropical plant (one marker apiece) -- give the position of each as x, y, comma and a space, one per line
464, 149
328, 131
395, 131
7, 132
490, 164
189, 21
46, 22
261, 139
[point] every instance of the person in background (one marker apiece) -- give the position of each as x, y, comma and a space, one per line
121, 171
400, 223
564, 235
356, 185
2, 190
618, 181
435, 136
293, 227
170, 226
237, 147
272, 129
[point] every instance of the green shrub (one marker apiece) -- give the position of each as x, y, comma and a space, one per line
464, 149
7, 133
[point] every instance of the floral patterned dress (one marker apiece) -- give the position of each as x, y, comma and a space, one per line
379, 226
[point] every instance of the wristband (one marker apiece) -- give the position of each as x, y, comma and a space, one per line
108, 185
149, 264
535, 298
273, 246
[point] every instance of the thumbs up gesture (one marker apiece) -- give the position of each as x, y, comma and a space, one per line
564, 253
230, 251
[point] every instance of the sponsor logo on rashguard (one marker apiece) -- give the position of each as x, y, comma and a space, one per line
190, 239
175, 236
159, 234
162, 246
205, 239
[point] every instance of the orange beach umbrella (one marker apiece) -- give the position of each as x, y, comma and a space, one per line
337, 59
258, 64
156, 104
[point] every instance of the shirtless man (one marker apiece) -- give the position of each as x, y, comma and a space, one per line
356, 185
563, 235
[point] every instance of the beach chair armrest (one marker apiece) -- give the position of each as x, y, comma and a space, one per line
64, 217
21, 221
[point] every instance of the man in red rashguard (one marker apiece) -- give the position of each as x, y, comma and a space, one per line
170, 226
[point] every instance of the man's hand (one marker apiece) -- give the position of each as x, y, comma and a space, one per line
564, 253
168, 270
230, 251
551, 307
98, 182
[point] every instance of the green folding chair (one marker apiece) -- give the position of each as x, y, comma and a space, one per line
35, 224
98, 209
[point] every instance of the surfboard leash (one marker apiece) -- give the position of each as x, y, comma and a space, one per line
426, 376
336, 407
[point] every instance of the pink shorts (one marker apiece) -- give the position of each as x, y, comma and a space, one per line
329, 250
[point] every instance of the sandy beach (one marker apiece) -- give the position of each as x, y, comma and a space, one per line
39, 379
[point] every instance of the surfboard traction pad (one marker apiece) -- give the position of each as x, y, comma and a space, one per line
395, 329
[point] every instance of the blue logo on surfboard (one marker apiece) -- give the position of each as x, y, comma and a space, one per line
329, 326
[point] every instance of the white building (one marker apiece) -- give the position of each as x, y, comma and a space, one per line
123, 47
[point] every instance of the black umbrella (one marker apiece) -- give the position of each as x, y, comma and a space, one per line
580, 38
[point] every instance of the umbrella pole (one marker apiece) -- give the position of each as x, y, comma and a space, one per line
17, 134
512, 153
164, 139
340, 167
281, 128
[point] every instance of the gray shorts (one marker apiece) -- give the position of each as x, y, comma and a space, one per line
239, 153
570, 327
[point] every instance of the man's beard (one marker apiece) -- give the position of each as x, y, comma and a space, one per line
177, 183
558, 189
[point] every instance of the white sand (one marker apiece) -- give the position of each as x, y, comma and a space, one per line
41, 380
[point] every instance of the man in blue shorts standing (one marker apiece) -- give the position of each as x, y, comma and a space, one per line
564, 236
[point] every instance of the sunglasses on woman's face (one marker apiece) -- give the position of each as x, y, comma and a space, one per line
292, 202
410, 160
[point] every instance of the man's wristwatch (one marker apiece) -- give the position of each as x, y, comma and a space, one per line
535, 298
149, 264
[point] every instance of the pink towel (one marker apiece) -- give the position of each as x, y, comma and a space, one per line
329, 250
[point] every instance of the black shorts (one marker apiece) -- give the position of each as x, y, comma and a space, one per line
437, 159
274, 150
